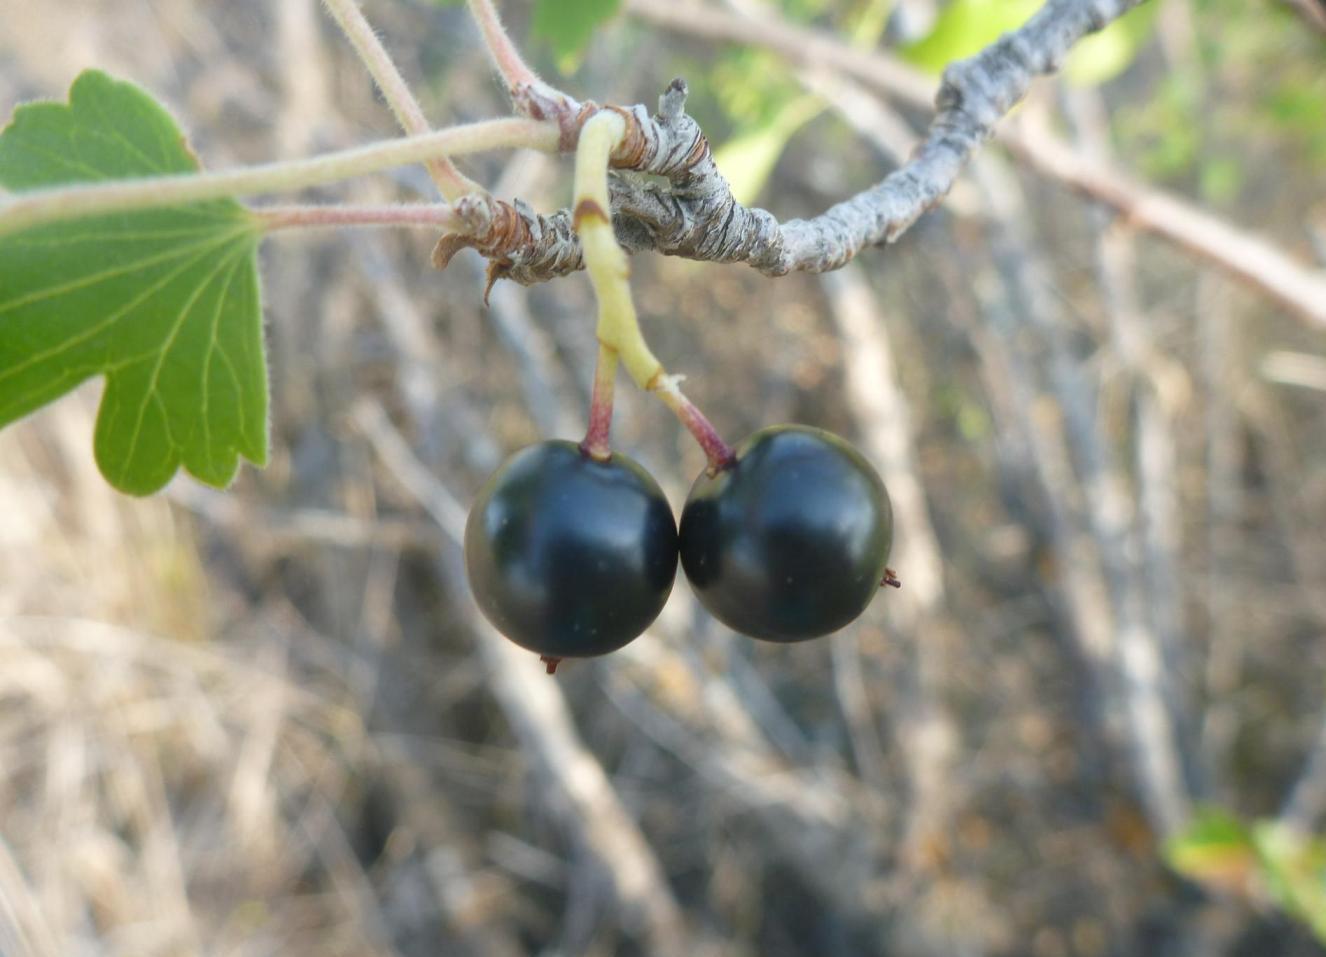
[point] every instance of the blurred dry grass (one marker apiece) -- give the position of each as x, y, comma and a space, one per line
268, 721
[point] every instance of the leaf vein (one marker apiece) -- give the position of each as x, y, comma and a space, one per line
213, 344
150, 392
65, 345
127, 269
111, 134
90, 172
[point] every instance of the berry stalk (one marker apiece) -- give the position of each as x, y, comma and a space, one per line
609, 273
596, 443
720, 454
19, 211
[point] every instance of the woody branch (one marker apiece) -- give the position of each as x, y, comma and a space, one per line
693, 213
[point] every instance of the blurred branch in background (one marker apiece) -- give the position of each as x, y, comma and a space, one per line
1154, 390
1312, 11
697, 216
1134, 666
926, 732
1296, 286
579, 793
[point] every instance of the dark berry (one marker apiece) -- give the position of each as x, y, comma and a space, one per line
568, 556
790, 541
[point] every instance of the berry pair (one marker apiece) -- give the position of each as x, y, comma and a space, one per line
572, 557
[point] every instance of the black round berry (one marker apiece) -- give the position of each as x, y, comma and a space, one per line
569, 556
790, 541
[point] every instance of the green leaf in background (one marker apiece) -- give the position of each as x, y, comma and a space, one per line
769, 113
1216, 848
567, 26
163, 303
1294, 869
1221, 178
1162, 135
965, 27
1100, 57
748, 159
1264, 859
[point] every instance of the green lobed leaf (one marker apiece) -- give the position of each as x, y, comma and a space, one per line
567, 25
164, 303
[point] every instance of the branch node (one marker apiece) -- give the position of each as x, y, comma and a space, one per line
672, 104
586, 209
541, 102
635, 145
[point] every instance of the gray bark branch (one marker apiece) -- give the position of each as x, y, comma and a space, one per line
694, 214
1251, 259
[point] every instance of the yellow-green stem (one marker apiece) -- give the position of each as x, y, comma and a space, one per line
605, 261
618, 326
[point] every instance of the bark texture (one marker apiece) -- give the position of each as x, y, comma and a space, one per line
693, 214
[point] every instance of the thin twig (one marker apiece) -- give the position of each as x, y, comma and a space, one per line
510, 65
430, 216
1225, 645
1307, 798
927, 733
1134, 668
75, 201
1251, 259
451, 181
1157, 516
1243, 255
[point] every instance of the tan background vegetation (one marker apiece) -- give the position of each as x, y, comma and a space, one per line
268, 721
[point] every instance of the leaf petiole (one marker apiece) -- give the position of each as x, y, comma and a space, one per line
427, 215
79, 200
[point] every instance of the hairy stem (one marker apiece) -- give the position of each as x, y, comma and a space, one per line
451, 181
515, 72
431, 216
75, 201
